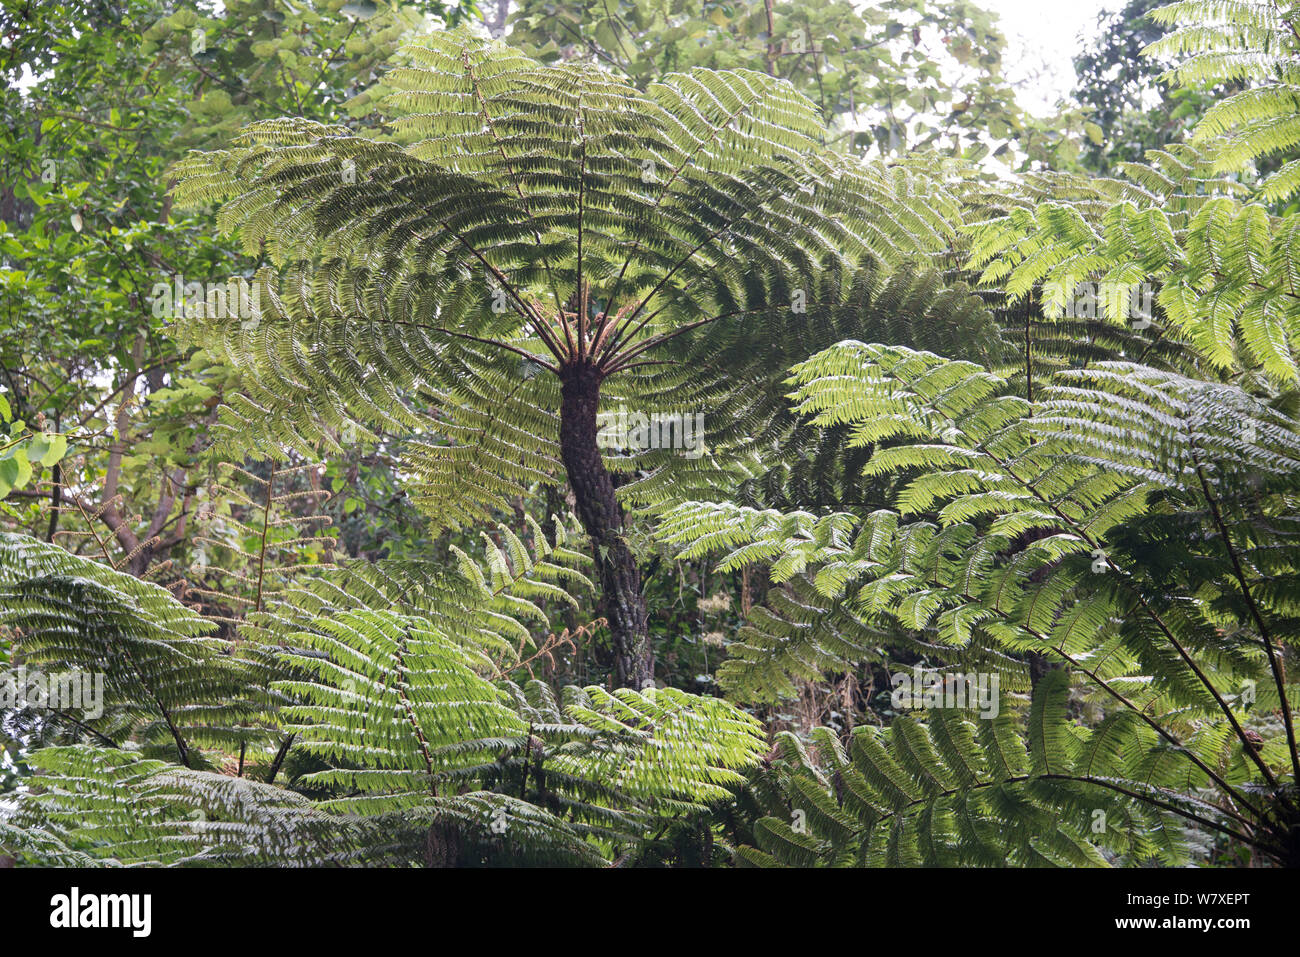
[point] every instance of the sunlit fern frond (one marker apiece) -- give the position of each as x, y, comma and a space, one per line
1111, 526
1251, 48
405, 719
496, 603
1216, 264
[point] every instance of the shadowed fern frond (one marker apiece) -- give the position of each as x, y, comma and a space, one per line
961, 789
163, 676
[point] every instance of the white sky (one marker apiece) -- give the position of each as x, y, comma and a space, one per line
1042, 40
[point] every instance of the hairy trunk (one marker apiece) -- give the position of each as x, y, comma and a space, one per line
602, 517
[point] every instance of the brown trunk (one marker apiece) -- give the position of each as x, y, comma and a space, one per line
602, 517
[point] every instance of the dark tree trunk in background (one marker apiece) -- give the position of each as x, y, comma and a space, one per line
602, 517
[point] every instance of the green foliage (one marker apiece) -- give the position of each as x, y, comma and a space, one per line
1132, 524
498, 603
1222, 264
1249, 47
961, 790
170, 817
173, 687
258, 58
658, 212
23, 451
889, 77
409, 743
101, 98
939, 434
1185, 220
1119, 87
403, 716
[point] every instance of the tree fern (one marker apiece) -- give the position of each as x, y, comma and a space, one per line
1251, 48
523, 242
401, 742
166, 679
959, 790
1111, 526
